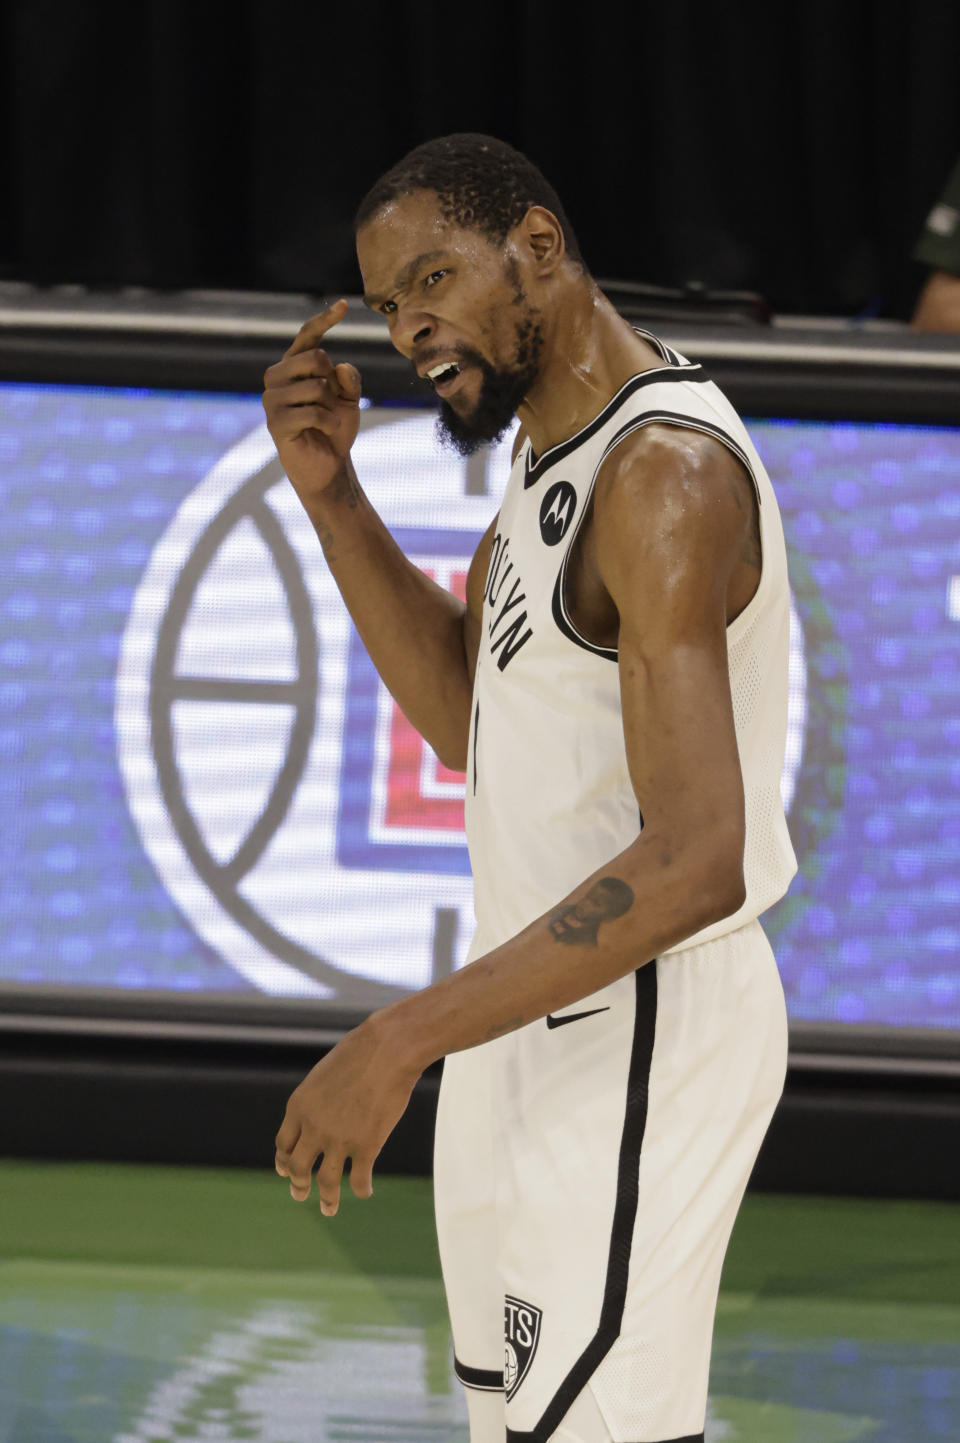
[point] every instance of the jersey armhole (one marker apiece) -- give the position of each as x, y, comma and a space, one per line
560, 614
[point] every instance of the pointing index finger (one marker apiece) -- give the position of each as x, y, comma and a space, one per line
312, 331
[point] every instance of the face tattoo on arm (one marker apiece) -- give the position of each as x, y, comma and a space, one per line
578, 923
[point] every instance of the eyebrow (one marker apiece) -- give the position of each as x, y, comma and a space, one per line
403, 278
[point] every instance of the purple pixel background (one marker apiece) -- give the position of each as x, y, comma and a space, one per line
870, 930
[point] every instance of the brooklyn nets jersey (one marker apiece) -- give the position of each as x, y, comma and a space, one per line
549, 798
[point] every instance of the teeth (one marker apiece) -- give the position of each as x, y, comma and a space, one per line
438, 371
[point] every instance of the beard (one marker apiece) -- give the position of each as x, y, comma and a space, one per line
502, 390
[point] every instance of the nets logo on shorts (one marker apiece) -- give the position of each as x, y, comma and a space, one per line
521, 1334
291, 811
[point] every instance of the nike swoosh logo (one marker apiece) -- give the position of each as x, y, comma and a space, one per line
573, 1017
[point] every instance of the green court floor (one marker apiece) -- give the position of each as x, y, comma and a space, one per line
145, 1304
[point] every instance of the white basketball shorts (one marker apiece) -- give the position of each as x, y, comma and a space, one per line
588, 1169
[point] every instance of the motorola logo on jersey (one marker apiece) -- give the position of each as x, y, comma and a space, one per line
556, 512
521, 1334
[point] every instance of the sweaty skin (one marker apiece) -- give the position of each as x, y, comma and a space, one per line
669, 555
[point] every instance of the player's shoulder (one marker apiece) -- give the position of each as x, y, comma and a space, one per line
666, 465
674, 508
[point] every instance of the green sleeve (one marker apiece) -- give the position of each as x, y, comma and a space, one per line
939, 243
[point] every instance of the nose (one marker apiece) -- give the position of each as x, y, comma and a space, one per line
410, 329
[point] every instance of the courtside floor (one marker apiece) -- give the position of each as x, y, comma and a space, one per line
157, 1303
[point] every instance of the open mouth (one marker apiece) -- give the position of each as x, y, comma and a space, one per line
444, 377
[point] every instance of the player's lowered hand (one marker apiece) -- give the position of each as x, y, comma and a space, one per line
346, 1106
313, 407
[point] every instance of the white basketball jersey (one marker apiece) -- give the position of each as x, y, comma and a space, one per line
549, 798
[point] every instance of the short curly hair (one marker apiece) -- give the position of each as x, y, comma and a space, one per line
481, 182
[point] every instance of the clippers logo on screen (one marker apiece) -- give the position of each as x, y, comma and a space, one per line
290, 809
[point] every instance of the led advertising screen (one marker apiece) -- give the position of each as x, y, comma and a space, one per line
209, 793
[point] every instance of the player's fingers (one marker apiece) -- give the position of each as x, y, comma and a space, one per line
300, 1167
313, 330
361, 1176
348, 381
314, 391
298, 367
329, 1174
285, 1142
292, 421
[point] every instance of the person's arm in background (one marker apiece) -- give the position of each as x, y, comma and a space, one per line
938, 305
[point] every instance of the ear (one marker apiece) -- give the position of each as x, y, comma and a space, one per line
541, 234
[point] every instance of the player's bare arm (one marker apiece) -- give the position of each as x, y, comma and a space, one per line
473, 612
412, 628
671, 528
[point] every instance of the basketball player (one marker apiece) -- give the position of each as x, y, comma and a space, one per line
616, 690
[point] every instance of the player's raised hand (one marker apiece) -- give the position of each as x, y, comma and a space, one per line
312, 406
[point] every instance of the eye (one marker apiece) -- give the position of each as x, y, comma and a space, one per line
433, 277
388, 307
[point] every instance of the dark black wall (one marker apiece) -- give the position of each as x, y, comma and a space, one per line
793, 150
116, 1099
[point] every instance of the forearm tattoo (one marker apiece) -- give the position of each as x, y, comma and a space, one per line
344, 487
578, 923
504, 1027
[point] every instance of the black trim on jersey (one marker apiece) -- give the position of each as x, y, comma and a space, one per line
660, 346
566, 625
624, 1217
533, 470
481, 1378
646, 418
